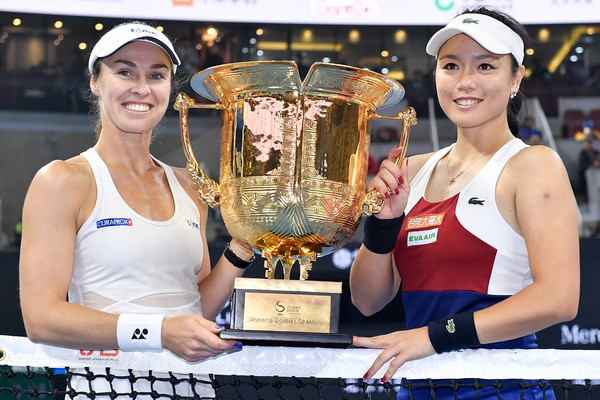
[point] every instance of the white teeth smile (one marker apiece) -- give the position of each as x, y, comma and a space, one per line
137, 107
467, 102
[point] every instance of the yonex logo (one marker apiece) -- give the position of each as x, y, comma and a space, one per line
140, 30
470, 21
475, 201
114, 222
139, 334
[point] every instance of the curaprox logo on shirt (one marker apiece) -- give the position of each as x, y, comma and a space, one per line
103, 223
417, 238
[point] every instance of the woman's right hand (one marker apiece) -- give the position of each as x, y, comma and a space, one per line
392, 183
194, 338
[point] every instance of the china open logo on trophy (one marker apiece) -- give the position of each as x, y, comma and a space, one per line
294, 157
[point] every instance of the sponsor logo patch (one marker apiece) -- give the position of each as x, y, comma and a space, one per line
103, 223
476, 201
425, 221
422, 237
193, 224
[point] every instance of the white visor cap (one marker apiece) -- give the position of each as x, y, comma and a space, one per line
491, 34
119, 36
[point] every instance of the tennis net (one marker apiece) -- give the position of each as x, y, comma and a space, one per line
34, 371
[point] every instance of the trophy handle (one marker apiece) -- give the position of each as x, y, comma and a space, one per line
208, 190
373, 202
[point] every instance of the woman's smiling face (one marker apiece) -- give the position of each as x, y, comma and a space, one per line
134, 87
474, 85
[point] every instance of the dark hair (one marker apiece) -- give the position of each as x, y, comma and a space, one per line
92, 99
516, 103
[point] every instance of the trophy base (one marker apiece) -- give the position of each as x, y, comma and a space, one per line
288, 339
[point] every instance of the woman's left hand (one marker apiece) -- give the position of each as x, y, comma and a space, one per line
399, 347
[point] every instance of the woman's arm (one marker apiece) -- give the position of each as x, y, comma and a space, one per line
51, 214
56, 205
215, 283
542, 208
536, 199
374, 279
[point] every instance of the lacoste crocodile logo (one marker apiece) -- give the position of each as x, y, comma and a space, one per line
470, 21
476, 201
450, 327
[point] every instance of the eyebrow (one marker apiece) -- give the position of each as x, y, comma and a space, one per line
479, 57
133, 65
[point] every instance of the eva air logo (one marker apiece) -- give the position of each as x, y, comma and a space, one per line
470, 21
450, 327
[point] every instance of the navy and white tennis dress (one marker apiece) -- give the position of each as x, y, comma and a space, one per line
460, 255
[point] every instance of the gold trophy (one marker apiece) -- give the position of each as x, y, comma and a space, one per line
294, 158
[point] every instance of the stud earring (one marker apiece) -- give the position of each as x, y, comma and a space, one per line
514, 94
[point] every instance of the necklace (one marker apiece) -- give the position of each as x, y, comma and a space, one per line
462, 171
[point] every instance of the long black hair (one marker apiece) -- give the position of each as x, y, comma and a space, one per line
515, 103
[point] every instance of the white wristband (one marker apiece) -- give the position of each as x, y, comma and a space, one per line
139, 331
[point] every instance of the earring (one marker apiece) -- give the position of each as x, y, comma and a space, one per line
513, 95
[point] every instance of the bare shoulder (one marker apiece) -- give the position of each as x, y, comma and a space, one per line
416, 162
536, 162
184, 178
65, 190
73, 174
536, 172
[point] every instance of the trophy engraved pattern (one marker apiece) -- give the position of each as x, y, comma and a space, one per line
294, 154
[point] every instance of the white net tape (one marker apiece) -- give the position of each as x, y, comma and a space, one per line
318, 362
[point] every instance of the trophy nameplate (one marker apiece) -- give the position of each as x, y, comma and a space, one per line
286, 312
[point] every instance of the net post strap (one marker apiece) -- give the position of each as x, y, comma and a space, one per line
318, 362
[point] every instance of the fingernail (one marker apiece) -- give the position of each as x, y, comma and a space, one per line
397, 191
384, 379
398, 146
400, 180
366, 375
238, 346
386, 195
220, 326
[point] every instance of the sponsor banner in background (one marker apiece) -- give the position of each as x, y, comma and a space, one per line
342, 12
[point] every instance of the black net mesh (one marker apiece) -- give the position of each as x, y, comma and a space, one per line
51, 383
39, 372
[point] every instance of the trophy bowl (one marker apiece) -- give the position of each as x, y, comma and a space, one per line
294, 155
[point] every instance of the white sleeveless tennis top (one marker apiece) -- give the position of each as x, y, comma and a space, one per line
127, 263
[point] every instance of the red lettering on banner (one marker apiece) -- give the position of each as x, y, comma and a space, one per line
355, 8
103, 353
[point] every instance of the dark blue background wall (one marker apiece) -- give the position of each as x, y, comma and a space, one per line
581, 333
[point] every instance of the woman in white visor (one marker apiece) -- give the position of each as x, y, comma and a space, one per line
122, 234
483, 234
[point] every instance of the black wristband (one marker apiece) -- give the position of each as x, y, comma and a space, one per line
380, 235
235, 260
453, 333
